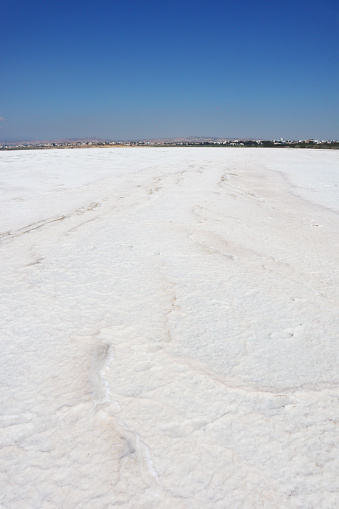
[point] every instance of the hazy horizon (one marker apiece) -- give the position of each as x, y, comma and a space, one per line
171, 138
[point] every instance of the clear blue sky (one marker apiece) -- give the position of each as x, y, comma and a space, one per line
146, 69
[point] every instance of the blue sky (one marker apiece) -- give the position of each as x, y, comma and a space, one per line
132, 69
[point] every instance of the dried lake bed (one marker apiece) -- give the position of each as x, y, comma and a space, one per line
169, 328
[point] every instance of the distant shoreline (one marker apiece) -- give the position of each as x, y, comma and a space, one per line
326, 145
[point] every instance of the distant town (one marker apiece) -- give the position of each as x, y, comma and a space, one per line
167, 142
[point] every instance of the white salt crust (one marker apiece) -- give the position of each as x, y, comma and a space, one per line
169, 328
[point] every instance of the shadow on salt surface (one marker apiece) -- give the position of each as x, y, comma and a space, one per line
102, 356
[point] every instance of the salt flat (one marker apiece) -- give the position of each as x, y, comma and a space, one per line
169, 328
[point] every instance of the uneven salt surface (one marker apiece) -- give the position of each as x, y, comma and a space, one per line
169, 328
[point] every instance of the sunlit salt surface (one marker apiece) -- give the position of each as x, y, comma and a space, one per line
169, 328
